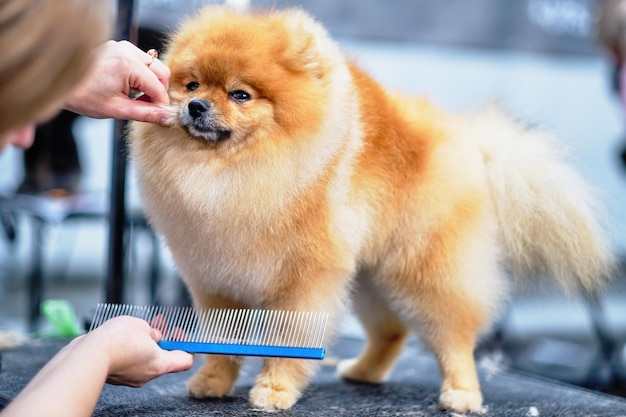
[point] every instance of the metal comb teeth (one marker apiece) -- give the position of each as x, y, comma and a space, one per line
245, 332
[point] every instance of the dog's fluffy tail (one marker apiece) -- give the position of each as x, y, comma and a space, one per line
548, 215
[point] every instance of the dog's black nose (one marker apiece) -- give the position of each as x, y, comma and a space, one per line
197, 108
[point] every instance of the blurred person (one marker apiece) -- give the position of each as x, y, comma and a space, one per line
611, 32
43, 70
53, 57
52, 164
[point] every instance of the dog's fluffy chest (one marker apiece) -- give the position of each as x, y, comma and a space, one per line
222, 230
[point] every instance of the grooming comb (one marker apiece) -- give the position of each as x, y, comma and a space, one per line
241, 332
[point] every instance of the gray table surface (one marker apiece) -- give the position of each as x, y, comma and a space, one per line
412, 390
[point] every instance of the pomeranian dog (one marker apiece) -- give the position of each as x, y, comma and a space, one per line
293, 181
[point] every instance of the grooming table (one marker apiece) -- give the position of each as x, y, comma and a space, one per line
412, 390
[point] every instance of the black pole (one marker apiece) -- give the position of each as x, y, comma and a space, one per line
35, 284
116, 266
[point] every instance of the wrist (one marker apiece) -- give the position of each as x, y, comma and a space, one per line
98, 345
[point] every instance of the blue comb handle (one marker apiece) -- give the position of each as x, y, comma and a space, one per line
245, 350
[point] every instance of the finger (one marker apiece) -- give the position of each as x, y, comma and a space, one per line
144, 111
161, 71
143, 79
178, 361
179, 334
156, 335
154, 65
159, 323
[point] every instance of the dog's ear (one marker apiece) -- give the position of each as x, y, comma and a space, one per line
310, 42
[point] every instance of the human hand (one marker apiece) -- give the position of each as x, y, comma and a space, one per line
121, 351
133, 354
119, 68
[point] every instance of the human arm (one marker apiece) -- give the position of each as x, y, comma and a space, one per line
123, 351
119, 68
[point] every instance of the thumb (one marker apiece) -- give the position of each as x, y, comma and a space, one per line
178, 361
143, 111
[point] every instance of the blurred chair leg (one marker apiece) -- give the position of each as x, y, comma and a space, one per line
155, 267
36, 273
8, 222
604, 370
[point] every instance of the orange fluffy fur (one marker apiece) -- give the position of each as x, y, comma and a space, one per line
324, 191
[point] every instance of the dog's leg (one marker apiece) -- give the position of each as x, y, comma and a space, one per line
460, 390
216, 378
386, 335
449, 295
449, 323
281, 381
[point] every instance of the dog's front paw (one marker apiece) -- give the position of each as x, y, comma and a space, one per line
273, 396
353, 370
210, 383
462, 401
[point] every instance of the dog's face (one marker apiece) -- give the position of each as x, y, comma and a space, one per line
215, 111
217, 98
236, 79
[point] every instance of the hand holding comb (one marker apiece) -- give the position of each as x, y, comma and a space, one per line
241, 332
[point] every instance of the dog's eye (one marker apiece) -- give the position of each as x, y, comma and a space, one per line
192, 86
239, 96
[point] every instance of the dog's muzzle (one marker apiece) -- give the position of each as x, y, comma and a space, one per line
200, 121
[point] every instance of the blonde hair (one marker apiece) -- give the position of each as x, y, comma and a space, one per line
45, 47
